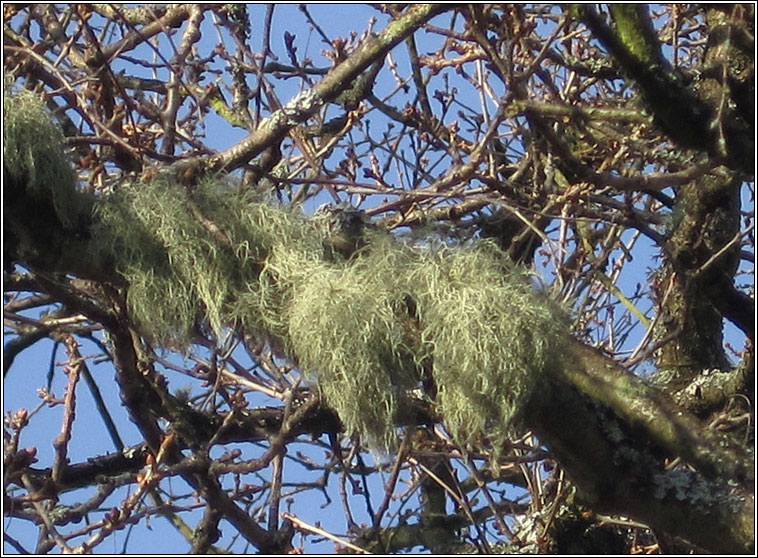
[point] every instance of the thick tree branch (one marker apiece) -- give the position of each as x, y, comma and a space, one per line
593, 417
688, 119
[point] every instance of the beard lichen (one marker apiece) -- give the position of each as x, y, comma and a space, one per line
34, 154
181, 275
490, 333
477, 324
346, 327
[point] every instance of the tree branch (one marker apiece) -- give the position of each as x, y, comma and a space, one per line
305, 105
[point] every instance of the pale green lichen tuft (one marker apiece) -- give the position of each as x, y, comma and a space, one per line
34, 154
365, 328
490, 334
348, 331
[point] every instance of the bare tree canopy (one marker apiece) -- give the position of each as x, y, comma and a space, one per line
463, 278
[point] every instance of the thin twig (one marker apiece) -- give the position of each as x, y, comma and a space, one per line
302, 525
73, 371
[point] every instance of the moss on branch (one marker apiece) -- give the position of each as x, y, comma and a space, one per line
687, 109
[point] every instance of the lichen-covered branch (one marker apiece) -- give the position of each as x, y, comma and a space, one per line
481, 293
596, 436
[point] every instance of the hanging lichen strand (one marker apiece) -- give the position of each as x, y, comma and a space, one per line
217, 255
182, 268
33, 153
